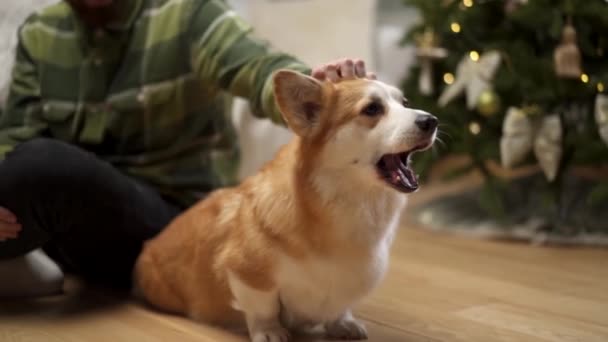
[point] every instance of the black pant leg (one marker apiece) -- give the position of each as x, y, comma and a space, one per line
90, 215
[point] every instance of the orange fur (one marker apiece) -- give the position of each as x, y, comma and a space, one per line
246, 229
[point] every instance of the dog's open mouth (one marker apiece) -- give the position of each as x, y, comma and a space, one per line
395, 170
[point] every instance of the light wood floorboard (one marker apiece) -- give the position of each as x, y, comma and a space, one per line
439, 288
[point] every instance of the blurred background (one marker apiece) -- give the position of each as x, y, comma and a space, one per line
519, 87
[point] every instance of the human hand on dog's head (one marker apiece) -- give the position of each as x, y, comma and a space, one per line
343, 69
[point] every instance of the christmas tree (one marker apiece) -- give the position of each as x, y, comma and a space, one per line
519, 82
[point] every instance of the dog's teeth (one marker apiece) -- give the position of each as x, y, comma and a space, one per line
395, 176
403, 178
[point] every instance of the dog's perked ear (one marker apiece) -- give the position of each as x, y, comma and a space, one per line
299, 98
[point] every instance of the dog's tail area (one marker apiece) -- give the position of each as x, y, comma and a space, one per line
151, 287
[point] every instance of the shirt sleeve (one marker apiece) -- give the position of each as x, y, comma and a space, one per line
21, 118
225, 53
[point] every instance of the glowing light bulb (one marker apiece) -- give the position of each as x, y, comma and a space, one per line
475, 128
455, 27
474, 55
585, 78
467, 3
448, 78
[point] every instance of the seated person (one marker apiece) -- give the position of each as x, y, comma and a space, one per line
117, 120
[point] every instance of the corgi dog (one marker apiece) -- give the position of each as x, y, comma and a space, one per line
300, 242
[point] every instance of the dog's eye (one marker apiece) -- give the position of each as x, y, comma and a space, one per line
373, 109
405, 102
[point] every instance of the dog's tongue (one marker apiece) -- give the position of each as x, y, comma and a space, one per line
400, 173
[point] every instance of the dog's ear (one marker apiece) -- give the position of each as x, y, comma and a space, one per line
299, 98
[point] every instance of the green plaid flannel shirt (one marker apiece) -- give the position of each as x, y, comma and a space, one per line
149, 94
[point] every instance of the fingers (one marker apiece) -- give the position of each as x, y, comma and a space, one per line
4, 237
360, 68
9, 227
7, 216
332, 73
347, 68
343, 69
9, 231
319, 74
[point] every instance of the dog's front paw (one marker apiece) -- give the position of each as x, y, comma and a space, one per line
346, 330
274, 334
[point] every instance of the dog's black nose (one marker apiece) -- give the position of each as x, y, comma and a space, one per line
426, 122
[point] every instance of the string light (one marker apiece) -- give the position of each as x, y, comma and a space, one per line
474, 127
448, 78
474, 55
600, 86
467, 3
585, 78
455, 27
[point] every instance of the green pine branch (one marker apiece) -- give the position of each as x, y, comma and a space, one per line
526, 39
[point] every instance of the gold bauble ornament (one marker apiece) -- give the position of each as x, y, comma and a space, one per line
488, 103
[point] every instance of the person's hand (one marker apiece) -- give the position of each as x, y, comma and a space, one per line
9, 226
343, 69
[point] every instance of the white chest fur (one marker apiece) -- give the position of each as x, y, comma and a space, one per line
321, 289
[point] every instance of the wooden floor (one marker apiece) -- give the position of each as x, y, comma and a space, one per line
439, 288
